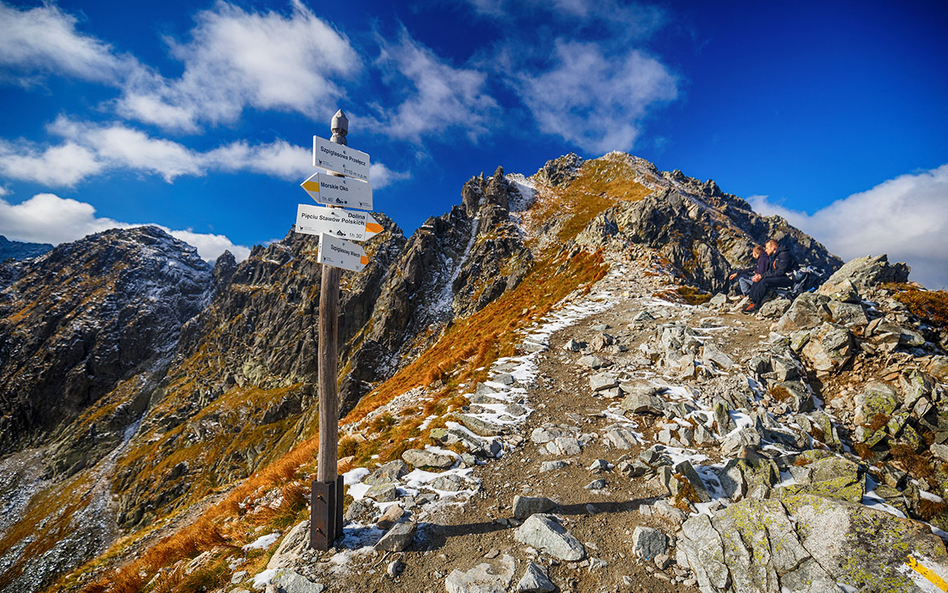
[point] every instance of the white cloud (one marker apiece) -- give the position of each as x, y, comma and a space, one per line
237, 59
211, 246
127, 148
63, 165
905, 217
45, 39
90, 149
48, 218
280, 159
593, 100
381, 176
438, 97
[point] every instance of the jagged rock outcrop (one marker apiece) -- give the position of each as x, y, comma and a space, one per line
453, 266
700, 231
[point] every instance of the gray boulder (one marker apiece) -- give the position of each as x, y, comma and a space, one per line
774, 308
807, 544
425, 458
806, 312
829, 348
398, 538
292, 547
524, 506
874, 399
865, 273
389, 473
603, 381
288, 581
545, 534
647, 542
639, 403
534, 580
493, 576
848, 314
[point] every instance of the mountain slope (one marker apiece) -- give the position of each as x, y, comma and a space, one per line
228, 419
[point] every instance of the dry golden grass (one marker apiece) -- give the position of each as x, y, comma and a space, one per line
930, 305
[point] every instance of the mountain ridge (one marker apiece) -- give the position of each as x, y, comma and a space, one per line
235, 393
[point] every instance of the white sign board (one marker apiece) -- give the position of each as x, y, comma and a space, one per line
339, 191
341, 253
340, 159
339, 222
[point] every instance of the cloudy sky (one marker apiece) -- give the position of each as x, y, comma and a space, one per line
198, 116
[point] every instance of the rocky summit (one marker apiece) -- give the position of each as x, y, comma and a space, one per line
552, 387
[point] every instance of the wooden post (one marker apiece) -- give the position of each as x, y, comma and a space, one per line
326, 497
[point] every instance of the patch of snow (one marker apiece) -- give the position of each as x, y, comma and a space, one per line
263, 542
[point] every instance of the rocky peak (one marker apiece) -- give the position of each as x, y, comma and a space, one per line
560, 171
86, 316
224, 268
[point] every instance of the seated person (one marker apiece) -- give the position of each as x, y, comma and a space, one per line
778, 273
744, 277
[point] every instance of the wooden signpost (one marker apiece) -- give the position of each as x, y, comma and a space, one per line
347, 185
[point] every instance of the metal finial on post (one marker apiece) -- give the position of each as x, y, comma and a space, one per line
339, 128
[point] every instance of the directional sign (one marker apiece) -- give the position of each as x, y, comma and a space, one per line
341, 159
339, 191
341, 253
347, 224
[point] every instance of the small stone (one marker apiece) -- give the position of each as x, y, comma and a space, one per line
535, 580
599, 465
492, 553
398, 538
597, 564
647, 542
593, 362
238, 577
549, 466
663, 561
564, 446
545, 534
596, 485
395, 568
524, 506
574, 346
390, 516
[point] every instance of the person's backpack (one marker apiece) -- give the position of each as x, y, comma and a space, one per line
805, 279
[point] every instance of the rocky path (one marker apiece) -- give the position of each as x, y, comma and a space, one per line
576, 456
636, 444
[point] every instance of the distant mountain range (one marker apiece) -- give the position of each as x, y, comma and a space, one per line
19, 250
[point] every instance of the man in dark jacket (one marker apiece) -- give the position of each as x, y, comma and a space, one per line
778, 273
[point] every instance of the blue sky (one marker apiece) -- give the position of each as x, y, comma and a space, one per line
198, 116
